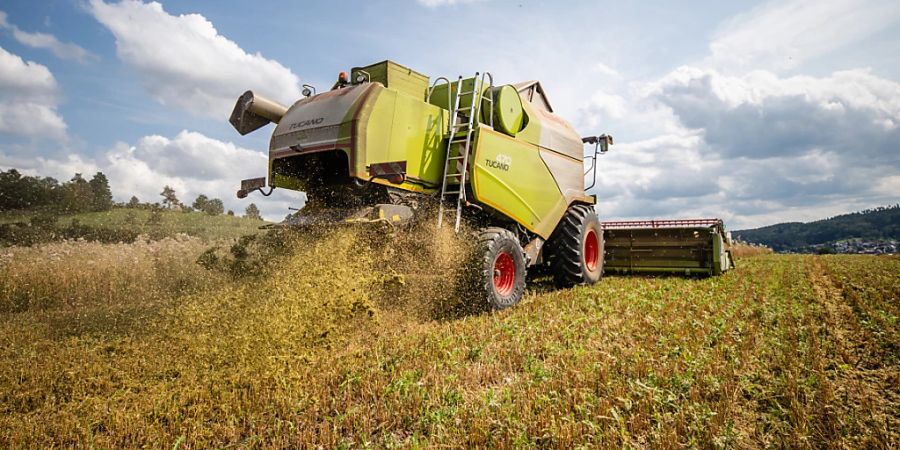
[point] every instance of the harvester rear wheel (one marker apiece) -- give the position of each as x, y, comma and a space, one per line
498, 268
576, 247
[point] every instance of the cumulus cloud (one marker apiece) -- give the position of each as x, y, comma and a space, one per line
29, 96
760, 115
662, 176
605, 105
757, 147
731, 136
682, 176
784, 34
63, 50
185, 63
192, 164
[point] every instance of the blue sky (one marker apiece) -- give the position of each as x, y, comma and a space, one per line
757, 112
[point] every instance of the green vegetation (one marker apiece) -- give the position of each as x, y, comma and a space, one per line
36, 210
121, 225
19, 191
872, 224
353, 342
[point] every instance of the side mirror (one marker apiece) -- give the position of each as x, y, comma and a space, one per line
308, 90
601, 143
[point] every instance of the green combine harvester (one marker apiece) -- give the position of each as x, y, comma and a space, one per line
383, 144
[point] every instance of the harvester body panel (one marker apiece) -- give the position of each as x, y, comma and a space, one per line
371, 125
535, 175
510, 176
403, 128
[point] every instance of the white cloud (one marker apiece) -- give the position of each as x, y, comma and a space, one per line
757, 148
605, 69
678, 176
729, 136
782, 35
29, 96
184, 62
190, 162
63, 50
760, 115
606, 105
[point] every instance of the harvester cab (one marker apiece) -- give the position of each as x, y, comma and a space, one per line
385, 142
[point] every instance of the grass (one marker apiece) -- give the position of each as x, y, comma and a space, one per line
172, 222
346, 343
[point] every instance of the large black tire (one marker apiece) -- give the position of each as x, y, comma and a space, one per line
575, 248
497, 269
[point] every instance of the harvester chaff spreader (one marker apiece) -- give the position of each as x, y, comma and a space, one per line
385, 143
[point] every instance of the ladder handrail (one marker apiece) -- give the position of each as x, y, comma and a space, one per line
490, 90
475, 109
477, 96
450, 132
434, 85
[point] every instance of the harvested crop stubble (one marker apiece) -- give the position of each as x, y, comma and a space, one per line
341, 345
741, 250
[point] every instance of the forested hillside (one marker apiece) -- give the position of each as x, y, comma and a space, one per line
881, 223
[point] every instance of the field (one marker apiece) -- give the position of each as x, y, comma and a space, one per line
138, 220
347, 343
194, 223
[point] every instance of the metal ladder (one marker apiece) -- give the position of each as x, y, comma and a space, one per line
456, 167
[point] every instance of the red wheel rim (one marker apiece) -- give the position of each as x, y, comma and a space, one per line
591, 250
504, 274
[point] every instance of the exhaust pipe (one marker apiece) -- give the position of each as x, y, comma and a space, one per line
252, 112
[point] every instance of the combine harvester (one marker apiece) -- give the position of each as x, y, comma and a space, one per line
690, 247
383, 144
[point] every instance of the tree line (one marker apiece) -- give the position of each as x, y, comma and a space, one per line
46, 194
23, 192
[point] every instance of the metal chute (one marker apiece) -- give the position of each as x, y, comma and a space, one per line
252, 112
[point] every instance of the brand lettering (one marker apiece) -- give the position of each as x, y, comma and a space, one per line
500, 161
306, 123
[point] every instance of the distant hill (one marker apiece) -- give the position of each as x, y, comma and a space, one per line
881, 223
